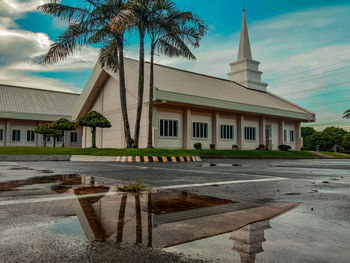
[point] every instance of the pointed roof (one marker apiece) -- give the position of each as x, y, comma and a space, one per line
244, 45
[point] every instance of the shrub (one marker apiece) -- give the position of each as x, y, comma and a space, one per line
234, 147
212, 146
284, 147
197, 146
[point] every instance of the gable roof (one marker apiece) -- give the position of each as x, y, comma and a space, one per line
35, 104
183, 86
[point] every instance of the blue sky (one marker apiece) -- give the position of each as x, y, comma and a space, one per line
303, 46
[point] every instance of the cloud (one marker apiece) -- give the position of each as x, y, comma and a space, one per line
20, 50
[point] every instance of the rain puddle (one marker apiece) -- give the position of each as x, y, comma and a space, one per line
79, 208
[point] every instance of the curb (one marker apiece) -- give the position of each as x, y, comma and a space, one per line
207, 157
34, 158
135, 159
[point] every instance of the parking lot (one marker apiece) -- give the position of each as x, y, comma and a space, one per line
303, 207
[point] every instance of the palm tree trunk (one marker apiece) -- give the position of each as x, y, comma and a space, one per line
121, 216
150, 105
62, 138
150, 224
140, 88
122, 90
44, 140
54, 142
138, 219
93, 131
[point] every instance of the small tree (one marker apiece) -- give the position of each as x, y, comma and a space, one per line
346, 141
63, 125
307, 131
46, 130
94, 119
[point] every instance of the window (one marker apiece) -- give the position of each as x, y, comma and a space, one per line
285, 135
16, 135
227, 132
200, 130
74, 137
1, 135
48, 139
291, 136
30, 136
168, 128
59, 139
249, 133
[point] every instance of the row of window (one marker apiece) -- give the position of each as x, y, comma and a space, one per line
291, 135
17, 136
169, 128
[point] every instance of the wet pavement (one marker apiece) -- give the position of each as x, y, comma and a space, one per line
216, 211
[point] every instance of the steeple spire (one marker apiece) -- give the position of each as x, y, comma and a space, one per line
245, 70
244, 51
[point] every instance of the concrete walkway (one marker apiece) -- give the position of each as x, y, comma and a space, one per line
326, 156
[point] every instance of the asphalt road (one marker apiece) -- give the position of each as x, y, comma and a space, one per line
318, 230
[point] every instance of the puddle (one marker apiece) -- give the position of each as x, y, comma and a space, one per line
65, 180
85, 209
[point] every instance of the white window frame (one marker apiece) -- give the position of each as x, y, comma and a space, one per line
174, 128
74, 137
31, 136
225, 130
200, 130
14, 138
291, 136
285, 138
249, 133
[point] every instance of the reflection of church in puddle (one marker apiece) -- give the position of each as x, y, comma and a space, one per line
156, 219
249, 239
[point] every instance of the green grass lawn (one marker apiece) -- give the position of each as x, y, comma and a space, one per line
147, 152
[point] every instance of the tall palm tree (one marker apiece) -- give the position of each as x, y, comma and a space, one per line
171, 32
92, 25
141, 11
346, 114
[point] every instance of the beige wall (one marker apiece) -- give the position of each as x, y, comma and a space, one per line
8, 125
108, 104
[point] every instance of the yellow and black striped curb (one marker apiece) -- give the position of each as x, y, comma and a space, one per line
158, 159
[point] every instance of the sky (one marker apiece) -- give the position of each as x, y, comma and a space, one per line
303, 47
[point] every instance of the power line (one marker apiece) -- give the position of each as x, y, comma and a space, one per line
303, 71
314, 76
347, 99
318, 88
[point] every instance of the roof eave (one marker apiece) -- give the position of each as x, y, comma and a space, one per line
231, 105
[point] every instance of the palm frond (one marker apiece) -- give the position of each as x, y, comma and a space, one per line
64, 12
73, 38
346, 114
108, 56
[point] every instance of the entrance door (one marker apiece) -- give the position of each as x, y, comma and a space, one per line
268, 135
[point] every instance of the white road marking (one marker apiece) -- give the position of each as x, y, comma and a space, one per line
223, 183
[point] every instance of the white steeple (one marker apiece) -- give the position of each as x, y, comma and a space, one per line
244, 45
246, 70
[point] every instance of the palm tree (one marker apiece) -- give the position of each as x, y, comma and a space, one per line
93, 24
171, 32
346, 114
141, 11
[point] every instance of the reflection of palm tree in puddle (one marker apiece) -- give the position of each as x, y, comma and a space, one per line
121, 217
248, 240
86, 205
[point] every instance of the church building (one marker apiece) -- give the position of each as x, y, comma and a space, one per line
190, 108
